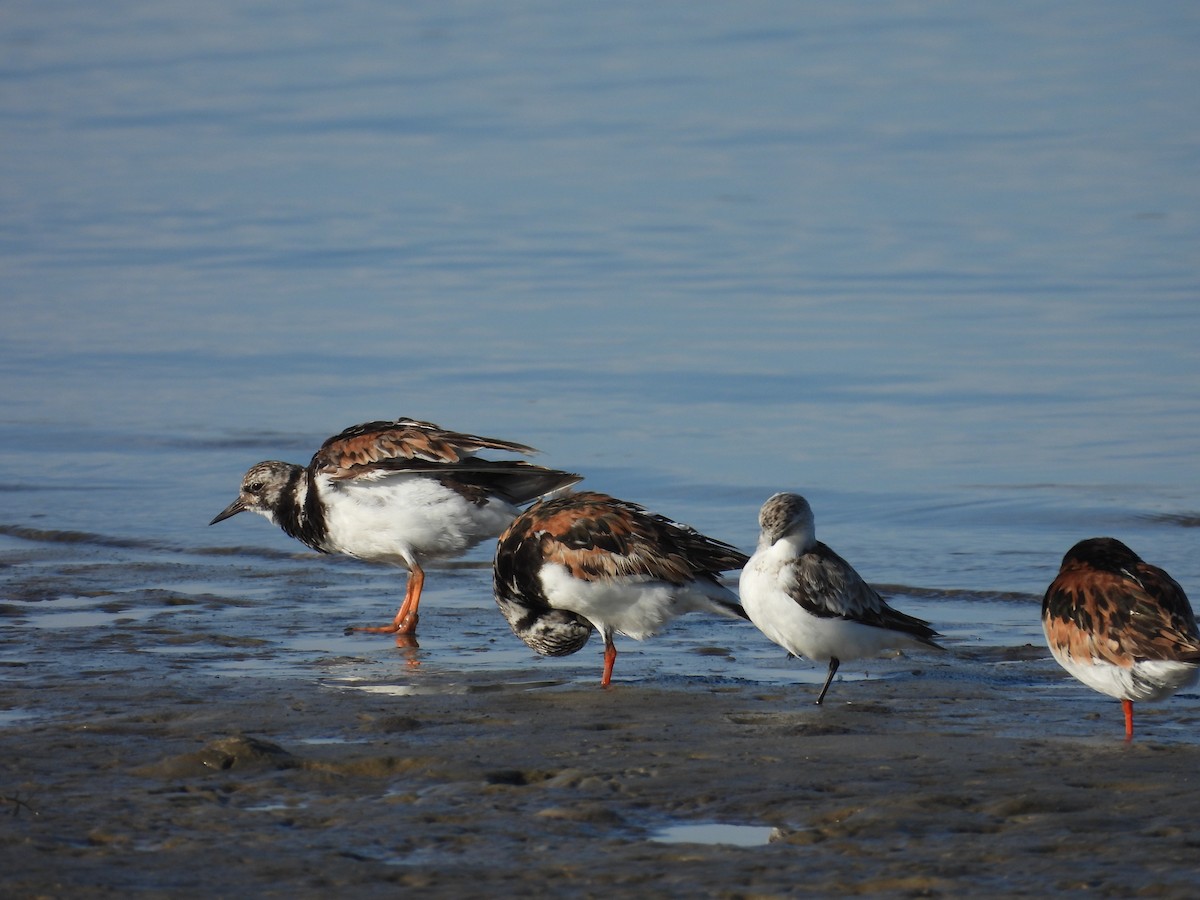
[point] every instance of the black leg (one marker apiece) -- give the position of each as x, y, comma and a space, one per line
833, 667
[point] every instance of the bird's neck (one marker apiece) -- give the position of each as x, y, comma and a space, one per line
301, 514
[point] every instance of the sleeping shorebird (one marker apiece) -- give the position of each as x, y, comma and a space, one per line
397, 492
1120, 625
584, 560
811, 602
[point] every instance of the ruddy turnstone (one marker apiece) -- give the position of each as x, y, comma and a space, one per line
811, 602
1120, 625
397, 492
584, 560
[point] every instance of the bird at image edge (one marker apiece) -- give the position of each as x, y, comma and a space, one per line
1120, 625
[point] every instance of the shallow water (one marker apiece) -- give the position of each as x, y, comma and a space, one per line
931, 265
714, 833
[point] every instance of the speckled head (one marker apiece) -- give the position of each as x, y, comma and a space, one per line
786, 515
550, 632
262, 489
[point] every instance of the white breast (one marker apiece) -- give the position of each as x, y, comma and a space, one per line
784, 621
1144, 680
403, 518
635, 606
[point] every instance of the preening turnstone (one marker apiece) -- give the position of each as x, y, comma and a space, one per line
1120, 625
397, 492
811, 602
580, 560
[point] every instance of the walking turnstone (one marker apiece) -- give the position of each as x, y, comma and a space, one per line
1120, 625
811, 602
397, 492
586, 559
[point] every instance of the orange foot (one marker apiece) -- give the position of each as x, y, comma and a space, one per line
406, 617
407, 644
375, 629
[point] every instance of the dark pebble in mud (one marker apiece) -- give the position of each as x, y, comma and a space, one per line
394, 724
230, 753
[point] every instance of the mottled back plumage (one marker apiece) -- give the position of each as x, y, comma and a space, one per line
596, 536
1120, 625
628, 569
393, 442
374, 449
1107, 603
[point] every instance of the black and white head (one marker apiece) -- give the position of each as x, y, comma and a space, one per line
788, 516
263, 489
547, 631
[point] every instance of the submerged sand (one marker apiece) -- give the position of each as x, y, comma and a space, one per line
925, 782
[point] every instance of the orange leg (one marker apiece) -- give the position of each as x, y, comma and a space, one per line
406, 617
610, 657
1127, 705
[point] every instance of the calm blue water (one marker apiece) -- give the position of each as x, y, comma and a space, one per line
934, 265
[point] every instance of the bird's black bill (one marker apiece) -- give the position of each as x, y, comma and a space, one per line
231, 510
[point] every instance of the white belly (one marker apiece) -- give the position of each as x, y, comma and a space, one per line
403, 519
786, 622
1146, 680
637, 607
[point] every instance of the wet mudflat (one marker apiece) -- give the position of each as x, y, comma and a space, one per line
131, 767
932, 266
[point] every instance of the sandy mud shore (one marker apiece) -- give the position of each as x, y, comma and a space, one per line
923, 782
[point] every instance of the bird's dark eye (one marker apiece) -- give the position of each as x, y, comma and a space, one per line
254, 487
